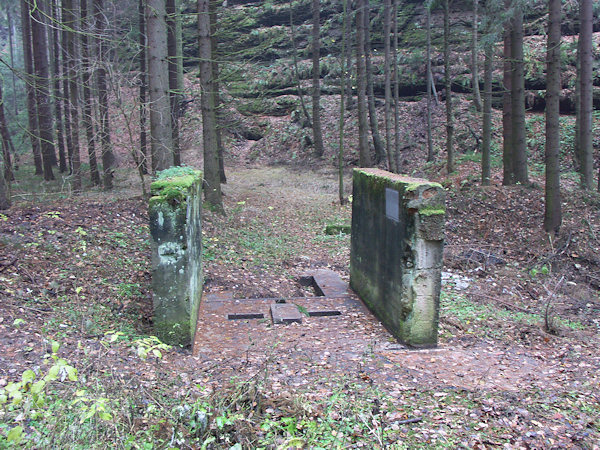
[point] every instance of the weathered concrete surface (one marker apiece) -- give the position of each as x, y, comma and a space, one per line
396, 252
175, 210
325, 282
285, 313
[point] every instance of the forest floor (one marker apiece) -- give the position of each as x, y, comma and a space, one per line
517, 365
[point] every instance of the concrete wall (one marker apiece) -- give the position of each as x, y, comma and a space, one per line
175, 211
396, 252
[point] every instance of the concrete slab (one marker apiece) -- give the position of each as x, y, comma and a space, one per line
221, 296
325, 282
285, 313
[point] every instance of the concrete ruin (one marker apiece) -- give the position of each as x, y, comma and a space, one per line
175, 210
396, 252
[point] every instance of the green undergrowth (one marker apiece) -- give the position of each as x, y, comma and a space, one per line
482, 319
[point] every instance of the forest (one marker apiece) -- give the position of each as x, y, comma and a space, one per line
277, 102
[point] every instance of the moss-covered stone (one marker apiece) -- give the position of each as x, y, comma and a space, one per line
396, 251
175, 225
337, 229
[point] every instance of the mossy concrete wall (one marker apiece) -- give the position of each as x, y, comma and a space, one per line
396, 252
175, 211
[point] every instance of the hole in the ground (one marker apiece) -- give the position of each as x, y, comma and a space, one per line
309, 282
243, 316
324, 313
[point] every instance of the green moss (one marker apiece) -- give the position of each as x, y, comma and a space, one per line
337, 229
172, 185
413, 186
173, 333
429, 211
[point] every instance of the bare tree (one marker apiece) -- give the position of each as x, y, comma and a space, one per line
377, 142
448, 82
361, 81
42, 87
585, 93
161, 136
474, 62
519, 144
58, 98
212, 185
507, 144
174, 87
87, 118
553, 216
143, 81
387, 69
316, 70
108, 157
30, 87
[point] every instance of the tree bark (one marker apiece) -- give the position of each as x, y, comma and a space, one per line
108, 157
216, 89
65, 100
487, 115
212, 188
518, 101
40, 60
30, 88
299, 92
4, 191
70, 20
474, 62
387, 67
143, 83
507, 142
161, 136
7, 145
316, 72
448, 83
342, 110
6, 141
87, 118
377, 142
396, 78
552, 216
361, 81
11, 43
585, 91
58, 98
430, 155
174, 87
348, 39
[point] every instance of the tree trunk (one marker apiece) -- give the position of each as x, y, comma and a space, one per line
474, 62
216, 90
87, 118
4, 190
212, 188
430, 155
143, 83
316, 72
42, 85
519, 143
396, 78
507, 146
448, 83
361, 81
161, 135
65, 100
6, 141
342, 110
58, 98
71, 21
348, 39
377, 142
30, 88
108, 157
174, 87
387, 67
487, 115
585, 91
11, 43
552, 216
577, 140
296, 71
